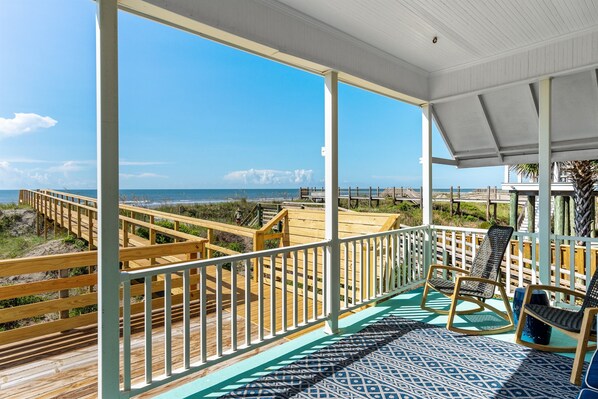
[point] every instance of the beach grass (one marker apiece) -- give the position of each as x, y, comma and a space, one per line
472, 214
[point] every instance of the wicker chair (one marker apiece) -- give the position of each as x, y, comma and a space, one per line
580, 325
477, 285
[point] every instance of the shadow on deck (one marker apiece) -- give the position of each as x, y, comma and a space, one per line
64, 365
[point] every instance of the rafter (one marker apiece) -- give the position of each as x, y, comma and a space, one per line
533, 98
489, 127
442, 132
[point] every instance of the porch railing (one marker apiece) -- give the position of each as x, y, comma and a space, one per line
235, 304
381, 264
227, 312
572, 264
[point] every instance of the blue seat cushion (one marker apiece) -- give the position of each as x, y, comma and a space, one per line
591, 377
587, 394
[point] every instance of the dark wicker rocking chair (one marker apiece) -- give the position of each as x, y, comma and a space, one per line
580, 325
477, 285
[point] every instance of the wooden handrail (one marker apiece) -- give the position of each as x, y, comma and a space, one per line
37, 264
275, 220
177, 219
239, 230
87, 296
161, 229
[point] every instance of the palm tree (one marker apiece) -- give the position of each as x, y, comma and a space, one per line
583, 175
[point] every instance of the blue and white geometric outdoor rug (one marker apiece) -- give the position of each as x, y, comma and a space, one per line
397, 358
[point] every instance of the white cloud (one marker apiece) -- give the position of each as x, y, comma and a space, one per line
11, 177
270, 176
27, 160
68, 167
142, 176
24, 123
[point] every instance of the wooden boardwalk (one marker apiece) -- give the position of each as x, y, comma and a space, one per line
63, 364
372, 196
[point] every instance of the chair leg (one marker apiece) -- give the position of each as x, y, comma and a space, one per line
582, 346
523, 316
452, 312
424, 295
520, 325
507, 305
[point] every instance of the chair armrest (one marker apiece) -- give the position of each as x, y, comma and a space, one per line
587, 321
444, 267
529, 289
590, 312
477, 279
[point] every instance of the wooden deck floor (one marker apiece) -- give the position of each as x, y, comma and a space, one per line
65, 365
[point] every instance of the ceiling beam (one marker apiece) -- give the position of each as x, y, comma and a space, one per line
444, 161
534, 100
489, 128
588, 144
447, 142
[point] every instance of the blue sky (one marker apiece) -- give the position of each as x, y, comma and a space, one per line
193, 114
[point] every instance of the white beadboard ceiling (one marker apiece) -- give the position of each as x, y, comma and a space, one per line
468, 31
481, 76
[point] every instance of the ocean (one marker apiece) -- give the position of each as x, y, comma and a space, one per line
156, 197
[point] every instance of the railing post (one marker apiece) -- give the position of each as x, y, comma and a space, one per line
349, 199
62, 213
90, 228
152, 236
69, 216
64, 273
488, 205
278, 209
79, 221
125, 233
514, 209
258, 245
176, 226
37, 202
210, 237
260, 215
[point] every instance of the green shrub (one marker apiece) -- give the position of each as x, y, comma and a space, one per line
78, 242
83, 310
13, 302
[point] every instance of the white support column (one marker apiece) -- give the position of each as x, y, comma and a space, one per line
331, 197
544, 178
107, 158
426, 194
506, 174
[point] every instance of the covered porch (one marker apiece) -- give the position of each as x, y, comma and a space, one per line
497, 92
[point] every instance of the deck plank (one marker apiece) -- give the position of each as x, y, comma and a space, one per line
64, 365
